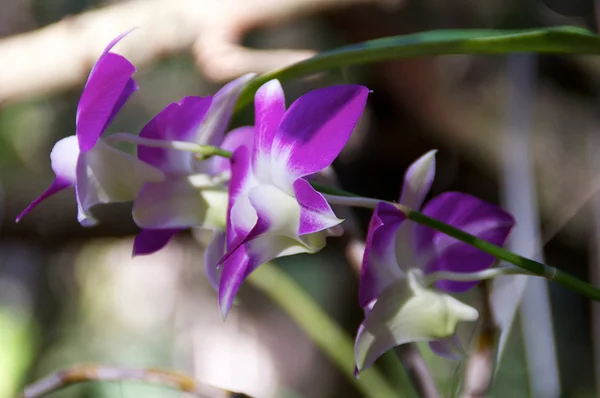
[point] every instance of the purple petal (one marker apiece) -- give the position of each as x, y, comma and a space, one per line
232, 276
107, 89
269, 105
149, 241
418, 180
241, 215
380, 268
449, 348
63, 159
315, 213
242, 136
212, 254
116, 40
438, 251
56, 186
217, 118
315, 129
179, 121
248, 257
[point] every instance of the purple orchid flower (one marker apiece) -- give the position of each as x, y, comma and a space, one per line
99, 173
399, 305
273, 210
194, 192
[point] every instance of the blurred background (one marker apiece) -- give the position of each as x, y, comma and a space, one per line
521, 131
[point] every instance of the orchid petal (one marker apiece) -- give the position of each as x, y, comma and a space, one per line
116, 40
314, 130
449, 348
439, 251
63, 158
241, 215
248, 257
214, 125
149, 241
107, 89
181, 202
315, 213
269, 104
408, 312
241, 136
418, 180
179, 121
380, 267
212, 254
56, 186
105, 174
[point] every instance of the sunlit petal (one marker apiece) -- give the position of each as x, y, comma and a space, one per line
315, 213
314, 130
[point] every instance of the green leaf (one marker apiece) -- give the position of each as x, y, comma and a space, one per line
564, 39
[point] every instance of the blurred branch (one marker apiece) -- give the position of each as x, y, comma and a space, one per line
85, 373
59, 56
331, 339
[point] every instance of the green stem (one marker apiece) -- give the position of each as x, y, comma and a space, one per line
322, 330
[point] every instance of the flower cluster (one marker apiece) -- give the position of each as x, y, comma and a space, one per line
261, 204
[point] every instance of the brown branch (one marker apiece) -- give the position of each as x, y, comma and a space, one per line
59, 56
84, 373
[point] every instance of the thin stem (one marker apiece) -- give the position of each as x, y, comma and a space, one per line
354, 201
535, 267
204, 150
437, 276
322, 330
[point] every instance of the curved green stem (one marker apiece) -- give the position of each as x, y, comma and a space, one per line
532, 266
322, 330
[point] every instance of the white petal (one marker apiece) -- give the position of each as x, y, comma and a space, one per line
105, 175
182, 202
418, 180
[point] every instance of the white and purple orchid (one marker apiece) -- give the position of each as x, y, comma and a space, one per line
99, 172
194, 192
399, 305
273, 211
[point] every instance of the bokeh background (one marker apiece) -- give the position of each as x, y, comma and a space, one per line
521, 131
